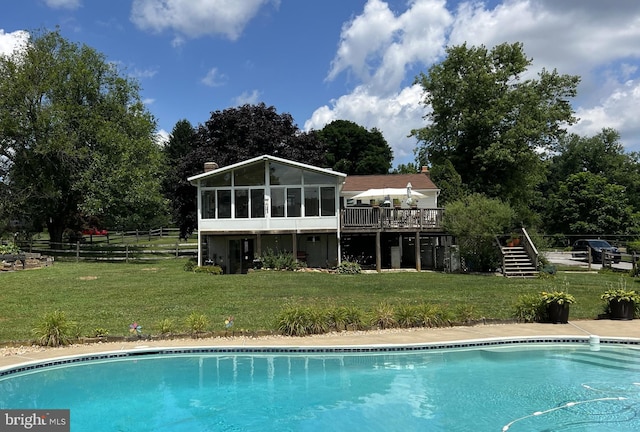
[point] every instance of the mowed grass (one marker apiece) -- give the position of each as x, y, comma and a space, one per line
113, 295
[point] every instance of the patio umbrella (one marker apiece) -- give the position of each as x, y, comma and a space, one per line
389, 192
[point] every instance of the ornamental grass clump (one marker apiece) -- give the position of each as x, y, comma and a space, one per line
54, 329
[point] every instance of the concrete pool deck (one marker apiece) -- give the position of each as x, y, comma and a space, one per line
628, 330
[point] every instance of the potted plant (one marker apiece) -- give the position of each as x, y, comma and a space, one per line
620, 303
557, 305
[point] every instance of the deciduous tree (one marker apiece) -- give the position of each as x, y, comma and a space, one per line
492, 123
75, 139
352, 149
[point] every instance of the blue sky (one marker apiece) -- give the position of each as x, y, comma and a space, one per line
321, 60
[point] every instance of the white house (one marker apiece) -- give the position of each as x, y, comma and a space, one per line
265, 203
270, 203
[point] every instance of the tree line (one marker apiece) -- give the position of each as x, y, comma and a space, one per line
78, 147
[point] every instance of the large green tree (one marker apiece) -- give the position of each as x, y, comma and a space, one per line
602, 154
490, 122
475, 220
180, 193
76, 141
354, 150
587, 203
236, 134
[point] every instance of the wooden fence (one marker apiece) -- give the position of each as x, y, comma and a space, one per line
155, 244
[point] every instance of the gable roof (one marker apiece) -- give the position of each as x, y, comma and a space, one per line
360, 183
266, 157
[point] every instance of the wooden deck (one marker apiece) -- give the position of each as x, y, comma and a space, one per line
367, 219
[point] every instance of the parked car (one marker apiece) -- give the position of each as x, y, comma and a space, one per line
95, 231
597, 247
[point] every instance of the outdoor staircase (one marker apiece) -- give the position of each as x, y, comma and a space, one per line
517, 263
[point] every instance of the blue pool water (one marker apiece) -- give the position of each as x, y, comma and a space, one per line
526, 387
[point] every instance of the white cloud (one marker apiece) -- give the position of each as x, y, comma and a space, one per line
162, 137
214, 79
144, 73
377, 46
196, 18
250, 98
619, 111
63, 4
10, 41
394, 115
379, 50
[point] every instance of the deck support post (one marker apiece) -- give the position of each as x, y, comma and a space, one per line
378, 253
417, 242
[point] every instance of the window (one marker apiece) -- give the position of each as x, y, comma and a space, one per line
208, 204
218, 180
224, 203
241, 203
277, 202
257, 203
252, 175
284, 175
311, 177
294, 202
328, 198
311, 201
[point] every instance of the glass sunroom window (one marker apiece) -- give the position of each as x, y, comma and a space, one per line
252, 175
311, 201
294, 202
328, 200
208, 204
257, 203
277, 202
281, 174
241, 203
224, 203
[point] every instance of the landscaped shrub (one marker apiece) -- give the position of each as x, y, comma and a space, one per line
100, 332
407, 316
348, 267
430, 315
384, 316
166, 327
279, 260
318, 321
337, 318
530, 308
294, 321
212, 270
355, 318
197, 323
464, 313
190, 265
10, 248
54, 329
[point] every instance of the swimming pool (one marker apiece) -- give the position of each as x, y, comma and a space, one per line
479, 386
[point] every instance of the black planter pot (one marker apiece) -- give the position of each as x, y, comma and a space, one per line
621, 310
558, 313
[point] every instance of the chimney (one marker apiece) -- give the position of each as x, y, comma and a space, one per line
210, 166
425, 171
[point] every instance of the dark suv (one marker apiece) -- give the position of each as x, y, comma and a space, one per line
597, 247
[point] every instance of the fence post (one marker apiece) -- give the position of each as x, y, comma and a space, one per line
149, 234
126, 253
77, 251
137, 235
160, 232
177, 247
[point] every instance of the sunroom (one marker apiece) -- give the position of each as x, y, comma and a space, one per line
268, 203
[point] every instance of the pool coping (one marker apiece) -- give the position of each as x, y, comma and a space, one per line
141, 351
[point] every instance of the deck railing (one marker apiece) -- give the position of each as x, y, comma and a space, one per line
382, 218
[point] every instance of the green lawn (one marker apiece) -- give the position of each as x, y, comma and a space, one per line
113, 295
